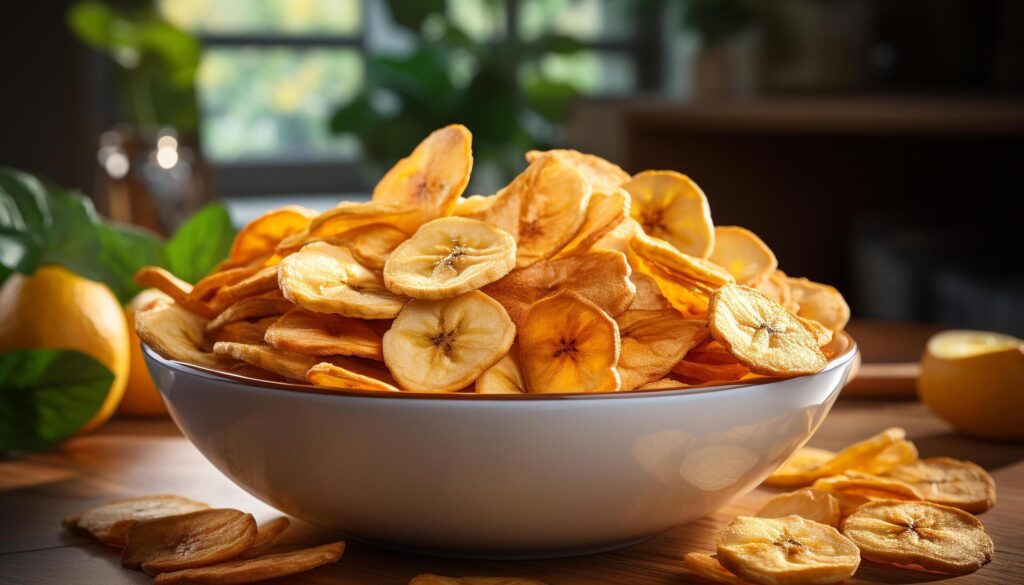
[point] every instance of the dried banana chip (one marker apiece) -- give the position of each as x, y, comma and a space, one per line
920, 534
352, 374
109, 522
670, 206
761, 334
600, 276
708, 568
604, 213
688, 296
776, 287
568, 344
822, 335
244, 331
807, 503
894, 455
604, 176
711, 352
327, 279
260, 236
263, 281
174, 287
872, 486
266, 534
177, 334
786, 550
504, 377
264, 305
209, 285
743, 254
442, 346
351, 215
862, 452
697, 373
553, 201
196, 539
448, 257
256, 569
661, 253
619, 238
290, 365
433, 176
648, 295
371, 245
652, 342
662, 384
942, 480
804, 466
820, 302
300, 331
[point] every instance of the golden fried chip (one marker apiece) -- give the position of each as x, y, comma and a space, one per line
605, 212
109, 522
264, 305
652, 342
822, 335
786, 550
196, 539
872, 486
568, 344
352, 215
688, 296
327, 279
442, 346
662, 384
553, 201
174, 287
260, 236
290, 365
820, 302
670, 206
761, 334
433, 176
920, 534
776, 287
448, 257
600, 276
177, 334
209, 285
371, 245
804, 466
708, 568
711, 352
942, 480
648, 295
697, 373
504, 377
352, 374
430, 579
661, 253
863, 452
300, 331
244, 331
256, 569
807, 503
266, 534
604, 176
743, 254
850, 501
894, 455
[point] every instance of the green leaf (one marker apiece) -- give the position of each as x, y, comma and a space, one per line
91, 21
125, 249
200, 243
412, 14
46, 395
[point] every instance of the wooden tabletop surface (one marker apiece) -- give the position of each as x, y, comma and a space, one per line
130, 457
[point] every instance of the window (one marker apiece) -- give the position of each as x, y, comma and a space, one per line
274, 71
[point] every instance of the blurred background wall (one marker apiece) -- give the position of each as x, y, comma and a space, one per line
874, 144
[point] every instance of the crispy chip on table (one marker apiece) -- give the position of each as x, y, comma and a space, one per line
261, 568
195, 539
709, 569
109, 522
807, 503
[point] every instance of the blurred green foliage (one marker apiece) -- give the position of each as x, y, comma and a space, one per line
496, 88
156, 62
715, 21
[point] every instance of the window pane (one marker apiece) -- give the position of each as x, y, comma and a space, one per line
586, 20
482, 20
341, 17
263, 102
593, 72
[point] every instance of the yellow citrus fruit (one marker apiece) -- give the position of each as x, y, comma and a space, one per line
975, 380
57, 309
141, 397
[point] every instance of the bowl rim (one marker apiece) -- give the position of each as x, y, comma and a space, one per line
839, 360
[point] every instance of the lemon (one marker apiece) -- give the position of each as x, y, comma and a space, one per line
975, 380
141, 397
57, 309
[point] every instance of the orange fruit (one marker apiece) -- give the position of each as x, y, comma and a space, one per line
141, 397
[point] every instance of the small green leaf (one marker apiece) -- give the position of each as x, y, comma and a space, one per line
91, 22
200, 243
46, 395
124, 250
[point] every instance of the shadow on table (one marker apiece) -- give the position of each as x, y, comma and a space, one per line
875, 573
989, 454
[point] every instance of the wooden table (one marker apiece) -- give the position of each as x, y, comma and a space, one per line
130, 457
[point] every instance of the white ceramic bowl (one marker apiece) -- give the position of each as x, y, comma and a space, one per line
496, 476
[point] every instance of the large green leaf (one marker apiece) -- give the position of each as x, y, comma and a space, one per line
46, 395
124, 250
200, 243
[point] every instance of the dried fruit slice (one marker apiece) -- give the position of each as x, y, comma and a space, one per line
604, 176
433, 176
648, 295
862, 452
430, 579
553, 205
708, 568
743, 254
652, 342
662, 384
290, 365
697, 373
449, 256
177, 334
442, 346
894, 455
327, 279
604, 213
258, 568
786, 550
196, 539
820, 302
942, 480
776, 287
804, 466
873, 486
661, 253
109, 522
618, 239
263, 281
688, 296
807, 503
670, 206
761, 334
244, 331
209, 285
174, 287
352, 374
265, 305
923, 534
260, 236
371, 245
711, 352
352, 215
822, 335
600, 276
504, 377
266, 534
299, 331
568, 344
